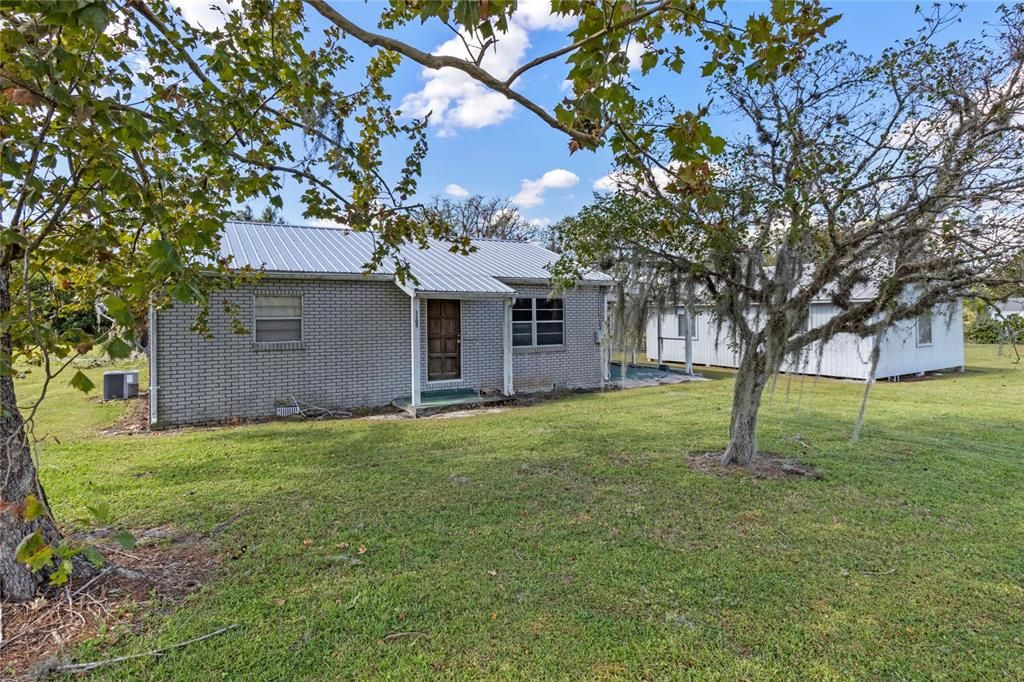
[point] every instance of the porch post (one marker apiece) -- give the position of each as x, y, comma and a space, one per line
691, 322
661, 344
507, 349
414, 328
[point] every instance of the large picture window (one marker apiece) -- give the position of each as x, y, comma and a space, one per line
538, 322
278, 318
924, 329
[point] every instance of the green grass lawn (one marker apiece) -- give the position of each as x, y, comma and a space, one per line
571, 540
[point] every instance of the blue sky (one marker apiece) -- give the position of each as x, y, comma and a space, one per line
481, 144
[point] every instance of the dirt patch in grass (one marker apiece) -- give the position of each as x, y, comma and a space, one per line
135, 418
472, 412
765, 465
162, 569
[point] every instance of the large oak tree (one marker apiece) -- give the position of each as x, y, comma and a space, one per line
890, 187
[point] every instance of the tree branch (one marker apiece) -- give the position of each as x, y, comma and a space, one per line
444, 61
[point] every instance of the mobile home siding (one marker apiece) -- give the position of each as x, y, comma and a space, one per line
902, 356
845, 356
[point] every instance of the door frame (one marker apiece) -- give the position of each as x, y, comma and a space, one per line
426, 345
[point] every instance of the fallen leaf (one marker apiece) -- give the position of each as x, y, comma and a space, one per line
361, 550
307, 542
494, 615
492, 573
342, 545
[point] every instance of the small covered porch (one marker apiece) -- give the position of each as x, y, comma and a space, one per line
437, 378
444, 398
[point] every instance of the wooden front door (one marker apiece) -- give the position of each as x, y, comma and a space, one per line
444, 339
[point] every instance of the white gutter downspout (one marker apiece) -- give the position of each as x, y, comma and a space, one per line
153, 376
506, 352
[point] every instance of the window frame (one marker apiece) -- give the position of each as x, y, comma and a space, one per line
533, 322
931, 329
256, 318
691, 326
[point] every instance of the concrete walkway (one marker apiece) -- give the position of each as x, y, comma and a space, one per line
649, 375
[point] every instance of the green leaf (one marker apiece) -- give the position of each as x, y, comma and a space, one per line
125, 539
116, 348
648, 61
100, 512
715, 144
564, 115
62, 574
94, 16
33, 508
82, 382
119, 309
12, 237
34, 552
164, 257
93, 555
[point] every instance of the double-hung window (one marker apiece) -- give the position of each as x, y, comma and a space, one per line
924, 329
278, 318
538, 322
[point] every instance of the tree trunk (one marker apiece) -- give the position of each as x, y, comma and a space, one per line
751, 378
17, 476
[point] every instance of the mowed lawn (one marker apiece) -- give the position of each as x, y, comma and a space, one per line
571, 540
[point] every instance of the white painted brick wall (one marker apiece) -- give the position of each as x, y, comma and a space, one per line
575, 364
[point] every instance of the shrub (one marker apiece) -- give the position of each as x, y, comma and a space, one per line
988, 330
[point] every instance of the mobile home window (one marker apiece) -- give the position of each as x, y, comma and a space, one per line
683, 327
278, 318
924, 329
538, 322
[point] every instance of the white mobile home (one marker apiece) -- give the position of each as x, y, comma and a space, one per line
930, 343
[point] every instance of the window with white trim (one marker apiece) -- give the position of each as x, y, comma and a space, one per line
924, 329
538, 322
685, 326
278, 318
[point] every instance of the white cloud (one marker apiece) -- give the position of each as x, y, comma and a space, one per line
457, 101
324, 222
622, 180
634, 51
457, 191
512, 213
608, 182
536, 14
531, 192
203, 13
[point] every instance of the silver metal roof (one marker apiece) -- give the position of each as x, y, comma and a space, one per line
301, 249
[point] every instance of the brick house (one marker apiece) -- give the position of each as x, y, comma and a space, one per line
320, 332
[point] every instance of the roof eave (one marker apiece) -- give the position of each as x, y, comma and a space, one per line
546, 281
